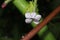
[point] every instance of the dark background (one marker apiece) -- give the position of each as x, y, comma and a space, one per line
13, 26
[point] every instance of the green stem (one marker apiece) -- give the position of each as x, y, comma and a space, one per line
21, 5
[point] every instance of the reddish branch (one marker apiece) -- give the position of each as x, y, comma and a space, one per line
42, 24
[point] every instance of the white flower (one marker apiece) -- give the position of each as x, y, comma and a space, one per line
28, 20
32, 17
27, 15
37, 17
33, 14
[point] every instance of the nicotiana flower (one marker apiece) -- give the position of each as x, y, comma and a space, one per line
32, 17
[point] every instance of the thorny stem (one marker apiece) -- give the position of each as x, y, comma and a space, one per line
43, 23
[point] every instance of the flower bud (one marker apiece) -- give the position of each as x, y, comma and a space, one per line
5, 3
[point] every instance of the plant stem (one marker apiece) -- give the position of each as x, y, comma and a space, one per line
21, 5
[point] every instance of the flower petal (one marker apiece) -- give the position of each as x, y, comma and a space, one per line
38, 17
28, 20
33, 14
27, 15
